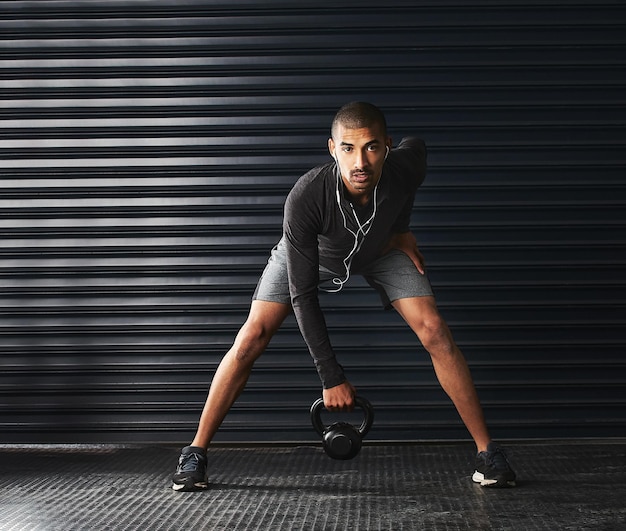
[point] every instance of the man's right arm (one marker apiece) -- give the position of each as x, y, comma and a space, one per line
301, 226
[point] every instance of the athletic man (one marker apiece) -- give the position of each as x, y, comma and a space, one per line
350, 216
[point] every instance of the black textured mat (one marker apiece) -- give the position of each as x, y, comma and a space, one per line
573, 486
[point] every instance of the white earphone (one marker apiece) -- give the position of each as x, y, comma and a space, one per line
363, 229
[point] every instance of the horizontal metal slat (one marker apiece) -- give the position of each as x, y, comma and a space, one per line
148, 148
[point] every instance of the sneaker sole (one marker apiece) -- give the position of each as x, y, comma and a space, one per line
189, 487
479, 477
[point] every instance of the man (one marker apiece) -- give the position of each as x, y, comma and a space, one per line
350, 216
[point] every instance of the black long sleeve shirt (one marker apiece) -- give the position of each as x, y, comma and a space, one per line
316, 232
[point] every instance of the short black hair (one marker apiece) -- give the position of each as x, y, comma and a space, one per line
359, 114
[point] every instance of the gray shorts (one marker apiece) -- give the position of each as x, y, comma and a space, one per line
393, 276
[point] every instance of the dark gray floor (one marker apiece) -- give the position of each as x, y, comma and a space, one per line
562, 485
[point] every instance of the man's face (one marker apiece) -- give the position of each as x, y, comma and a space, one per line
360, 155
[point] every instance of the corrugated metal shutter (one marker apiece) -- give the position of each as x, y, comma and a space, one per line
147, 148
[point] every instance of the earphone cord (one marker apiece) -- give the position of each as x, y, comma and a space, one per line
347, 261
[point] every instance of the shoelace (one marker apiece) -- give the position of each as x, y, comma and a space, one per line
497, 458
188, 462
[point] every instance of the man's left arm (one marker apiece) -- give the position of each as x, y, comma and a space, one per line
406, 242
415, 169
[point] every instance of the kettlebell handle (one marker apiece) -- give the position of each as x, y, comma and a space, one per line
363, 403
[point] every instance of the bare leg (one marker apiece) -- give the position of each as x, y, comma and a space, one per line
232, 374
422, 316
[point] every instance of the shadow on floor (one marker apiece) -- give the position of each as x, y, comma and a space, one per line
562, 485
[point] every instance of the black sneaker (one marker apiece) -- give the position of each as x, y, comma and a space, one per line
191, 471
493, 469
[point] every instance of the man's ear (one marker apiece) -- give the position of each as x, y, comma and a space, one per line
331, 148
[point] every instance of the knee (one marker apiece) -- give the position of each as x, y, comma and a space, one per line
251, 341
435, 335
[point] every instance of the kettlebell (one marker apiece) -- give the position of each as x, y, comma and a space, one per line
342, 440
